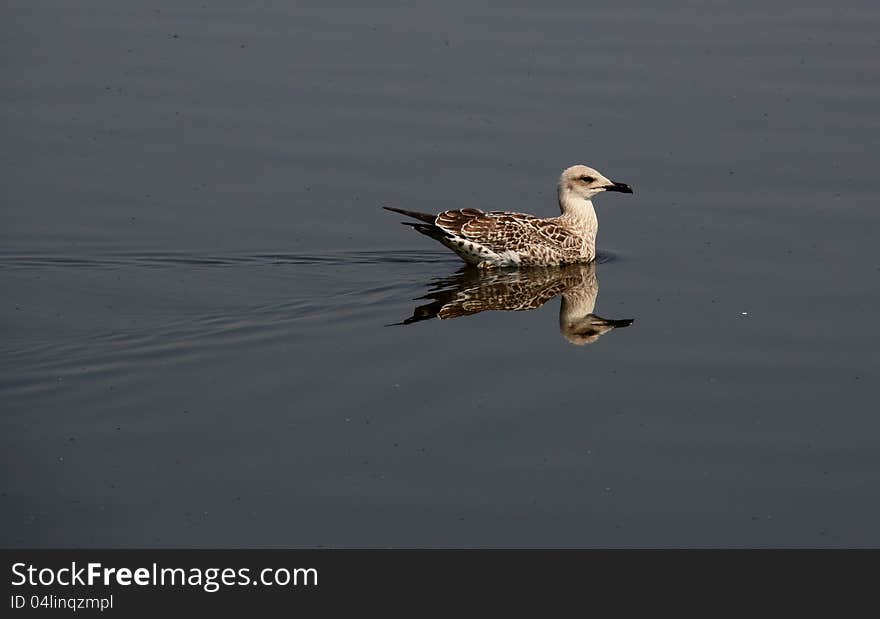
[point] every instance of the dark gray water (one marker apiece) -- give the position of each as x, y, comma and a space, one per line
197, 277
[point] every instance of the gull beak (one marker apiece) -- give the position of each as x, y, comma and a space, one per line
621, 187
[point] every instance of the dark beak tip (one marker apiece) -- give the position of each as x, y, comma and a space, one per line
621, 187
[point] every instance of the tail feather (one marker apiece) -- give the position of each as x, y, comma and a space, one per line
428, 230
426, 217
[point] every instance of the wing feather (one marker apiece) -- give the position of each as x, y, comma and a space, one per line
501, 231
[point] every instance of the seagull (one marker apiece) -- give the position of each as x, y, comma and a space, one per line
502, 239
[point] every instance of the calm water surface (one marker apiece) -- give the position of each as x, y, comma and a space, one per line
200, 292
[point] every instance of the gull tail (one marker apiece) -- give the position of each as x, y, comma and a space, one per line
428, 230
426, 217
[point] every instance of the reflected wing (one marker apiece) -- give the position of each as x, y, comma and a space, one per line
472, 290
511, 296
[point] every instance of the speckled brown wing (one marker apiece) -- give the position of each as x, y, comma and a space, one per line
501, 231
452, 221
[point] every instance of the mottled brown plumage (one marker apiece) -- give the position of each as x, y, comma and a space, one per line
500, 238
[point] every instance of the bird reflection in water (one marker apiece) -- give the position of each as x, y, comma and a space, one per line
471, 291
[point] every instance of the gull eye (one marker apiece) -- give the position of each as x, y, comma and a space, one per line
587, 179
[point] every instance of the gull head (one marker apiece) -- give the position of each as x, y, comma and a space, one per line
584, 182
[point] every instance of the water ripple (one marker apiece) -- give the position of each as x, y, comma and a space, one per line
171, 259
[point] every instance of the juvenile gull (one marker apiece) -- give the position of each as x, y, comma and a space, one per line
502, 239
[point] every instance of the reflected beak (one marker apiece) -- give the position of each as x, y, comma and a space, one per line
621, 187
